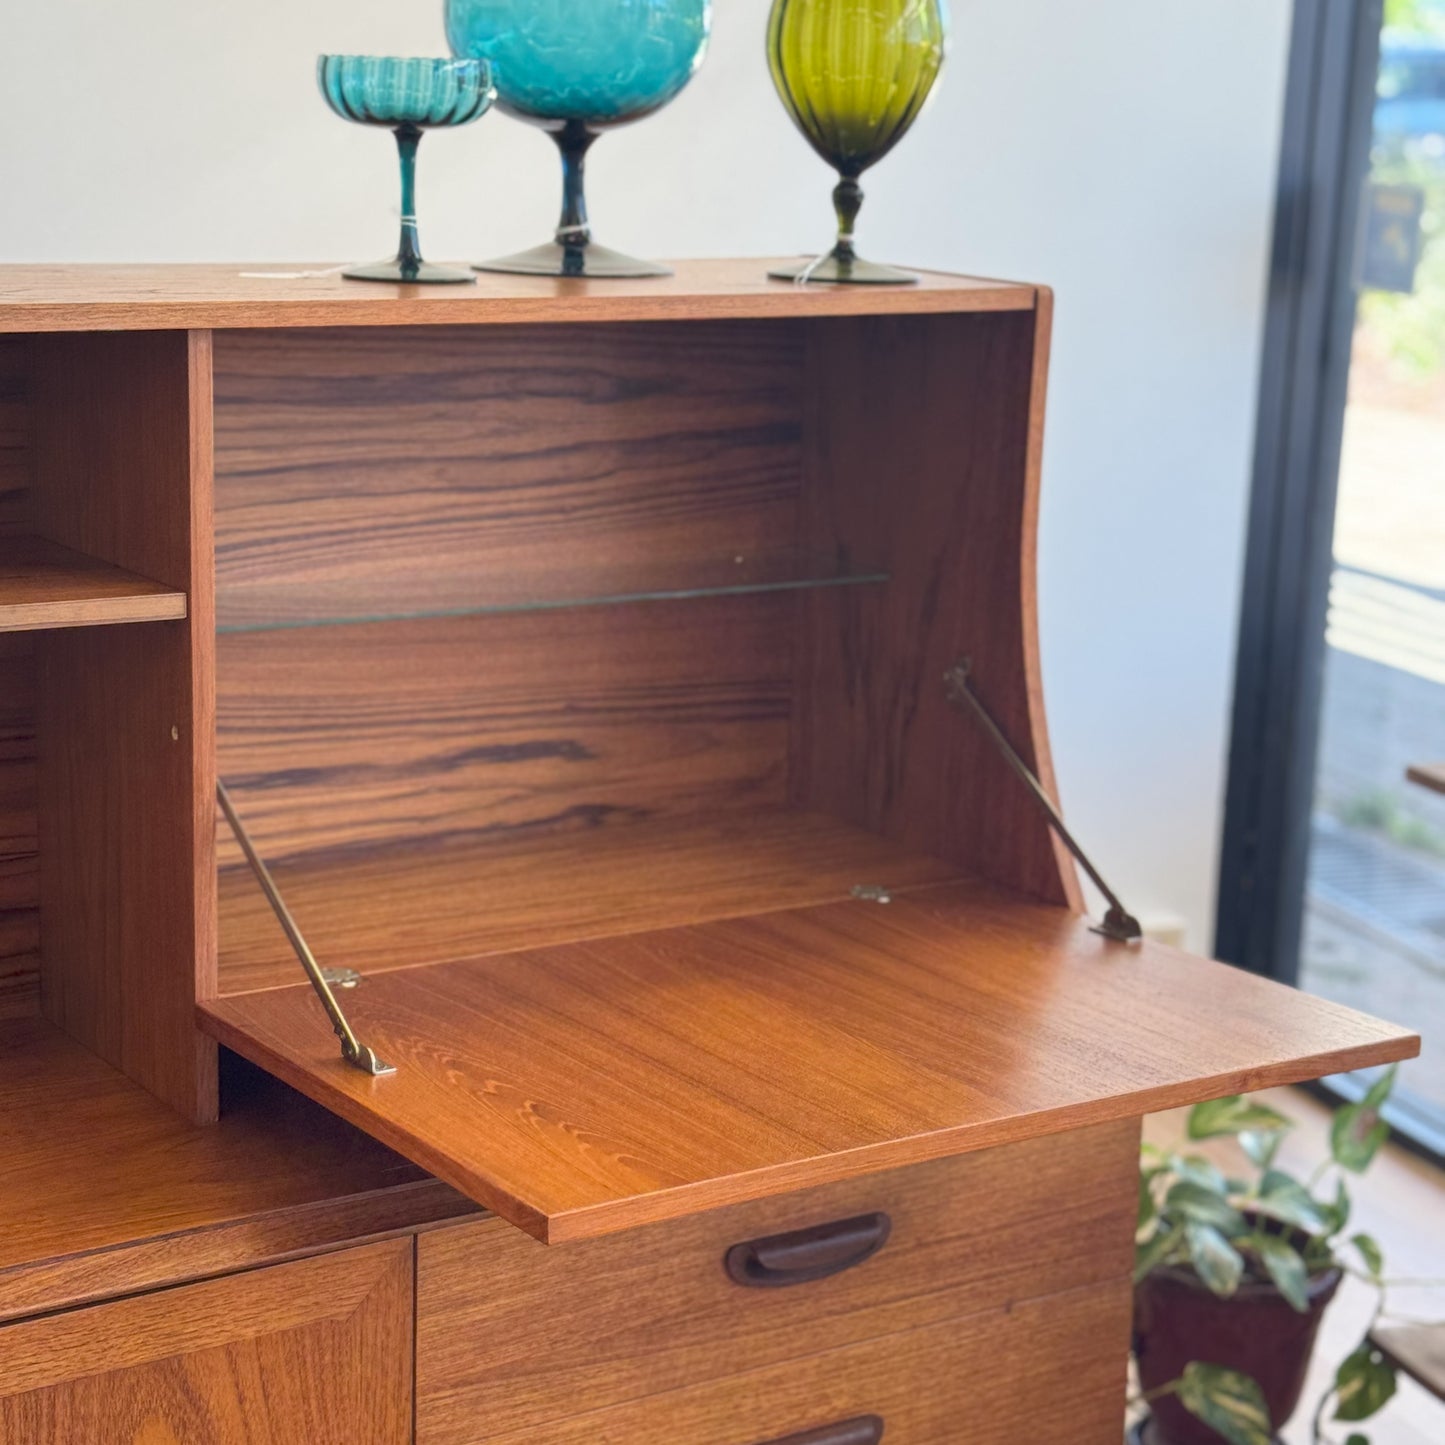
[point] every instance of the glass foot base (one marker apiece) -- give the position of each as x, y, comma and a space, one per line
424, 275
839, 271
589, 260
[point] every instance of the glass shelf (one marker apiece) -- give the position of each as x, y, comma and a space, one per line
416, 599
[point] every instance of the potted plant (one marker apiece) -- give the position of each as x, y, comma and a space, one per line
1234, 1273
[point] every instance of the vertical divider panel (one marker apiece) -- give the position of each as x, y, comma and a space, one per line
126, 732
922, 448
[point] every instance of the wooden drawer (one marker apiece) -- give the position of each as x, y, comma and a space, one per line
520, 1335
317, 1351
1048, 1372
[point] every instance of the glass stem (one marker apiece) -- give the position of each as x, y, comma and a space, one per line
573, 140
408, 138
847, 202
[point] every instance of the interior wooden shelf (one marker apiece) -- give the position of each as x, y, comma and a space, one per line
585, 1087
44, 585
94, 1163
391, 908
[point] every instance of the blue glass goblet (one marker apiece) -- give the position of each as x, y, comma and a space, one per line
577, 68
409, 96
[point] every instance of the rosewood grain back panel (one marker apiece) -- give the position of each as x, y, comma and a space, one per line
19, 917
450, 730
403, 471
19, 900
14, 435
922, 439
396, 908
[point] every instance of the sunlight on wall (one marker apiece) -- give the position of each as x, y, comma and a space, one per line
1122, 151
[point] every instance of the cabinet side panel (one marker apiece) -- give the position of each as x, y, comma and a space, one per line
921, 444
19, 910
122, 433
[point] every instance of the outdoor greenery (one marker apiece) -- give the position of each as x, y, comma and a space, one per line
1421, 16
1267, 1225
1411, 328
1379, 810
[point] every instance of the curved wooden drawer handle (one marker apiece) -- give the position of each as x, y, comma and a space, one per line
807, 1254
865, 1430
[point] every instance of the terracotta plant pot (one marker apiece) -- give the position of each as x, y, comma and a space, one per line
1177, 1320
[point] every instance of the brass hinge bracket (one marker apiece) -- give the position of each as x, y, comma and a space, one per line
352, 1052
1119, 923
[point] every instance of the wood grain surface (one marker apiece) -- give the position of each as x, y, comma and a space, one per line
44, 585
1418, 1350
1429, 775
450, 730
399, 907
122, 439
555, 1332
19, 883
1048, 1371
15, 464
318, 1351
107, 1190
19, 863
120, 298
447, 468
598, 1086
922, 446
296, 1232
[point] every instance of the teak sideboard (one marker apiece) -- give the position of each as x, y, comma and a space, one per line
573, 656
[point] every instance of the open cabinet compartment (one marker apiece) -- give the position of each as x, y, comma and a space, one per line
575, 656
106, 731
582, 685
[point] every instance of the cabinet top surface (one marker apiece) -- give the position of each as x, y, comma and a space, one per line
139, 298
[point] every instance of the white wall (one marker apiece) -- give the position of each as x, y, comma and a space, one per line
1121, 150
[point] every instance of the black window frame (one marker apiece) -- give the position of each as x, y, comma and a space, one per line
1279, 671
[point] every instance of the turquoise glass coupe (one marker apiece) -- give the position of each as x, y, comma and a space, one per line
576, 68
408, 96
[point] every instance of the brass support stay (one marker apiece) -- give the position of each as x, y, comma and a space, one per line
352, 1052
1118, 922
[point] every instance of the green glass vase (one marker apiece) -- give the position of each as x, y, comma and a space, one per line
854, 75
